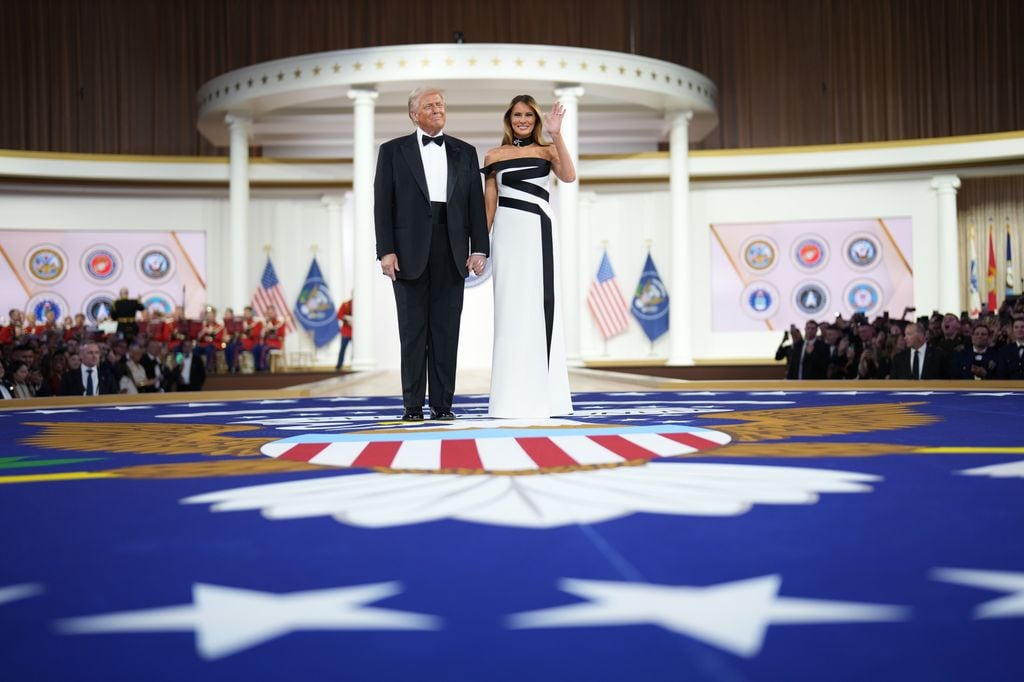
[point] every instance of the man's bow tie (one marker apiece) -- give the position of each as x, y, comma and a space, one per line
427, 139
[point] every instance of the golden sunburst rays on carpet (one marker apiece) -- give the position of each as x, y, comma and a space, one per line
146, 439
238, 454
768, 433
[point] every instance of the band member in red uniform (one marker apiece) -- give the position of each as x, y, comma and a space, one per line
273, 338
209, 335
230, 339
251, 334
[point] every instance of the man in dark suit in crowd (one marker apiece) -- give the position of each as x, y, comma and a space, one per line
809, 356
1011, 356
189, 373
6, 389
431, 230
89, 379
978, 360
919, 360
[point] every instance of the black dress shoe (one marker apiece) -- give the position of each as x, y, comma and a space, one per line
412, 415
444, 415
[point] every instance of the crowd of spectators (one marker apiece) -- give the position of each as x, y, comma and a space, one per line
140, 352
936, 346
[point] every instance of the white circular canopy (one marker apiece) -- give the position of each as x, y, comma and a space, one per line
300, 106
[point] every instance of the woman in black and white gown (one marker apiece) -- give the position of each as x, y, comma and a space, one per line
529, 378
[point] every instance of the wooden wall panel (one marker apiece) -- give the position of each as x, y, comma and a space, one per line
120, 76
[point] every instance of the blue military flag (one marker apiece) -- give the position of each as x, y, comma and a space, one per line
650, 302
314, 308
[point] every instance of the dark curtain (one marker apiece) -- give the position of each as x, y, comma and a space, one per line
120, 76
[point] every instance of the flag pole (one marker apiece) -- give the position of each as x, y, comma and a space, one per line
649, 243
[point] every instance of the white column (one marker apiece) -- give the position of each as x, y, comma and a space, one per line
364, 355
335, 251
240, 127
568, 218
586, 270
949, 282
680, 288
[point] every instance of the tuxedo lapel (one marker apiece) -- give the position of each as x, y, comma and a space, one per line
415, 163
454, 157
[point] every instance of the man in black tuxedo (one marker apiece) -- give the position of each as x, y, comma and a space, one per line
809, 357
89, 379
431, 230
189, 373
979, 359
1011, 356
919, 360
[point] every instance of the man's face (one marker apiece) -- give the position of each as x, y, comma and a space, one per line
950, 326
980, 337
1018, 330
914, 336
430, 113
90, 355
810, 330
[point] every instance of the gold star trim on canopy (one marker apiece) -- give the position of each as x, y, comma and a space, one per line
563, 63
402, 63
280, 75
583, 65
472, 61
425, 62
265, 79
379, 64
249, 82
541, 63
519, 61
336, 68
298, 73
496, 61
316, 70
358, 66
449, 61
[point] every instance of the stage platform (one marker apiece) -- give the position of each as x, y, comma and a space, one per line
666, 530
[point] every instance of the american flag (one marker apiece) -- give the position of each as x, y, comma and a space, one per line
268, 294
605, 301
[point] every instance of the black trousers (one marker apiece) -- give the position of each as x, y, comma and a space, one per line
429, 313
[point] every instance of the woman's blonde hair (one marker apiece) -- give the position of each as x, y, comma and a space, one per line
538, 127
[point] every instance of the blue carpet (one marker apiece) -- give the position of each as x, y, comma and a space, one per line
729, 535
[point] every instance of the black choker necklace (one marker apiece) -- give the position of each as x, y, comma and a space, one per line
520, 142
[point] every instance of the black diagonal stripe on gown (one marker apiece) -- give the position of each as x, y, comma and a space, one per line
516, 179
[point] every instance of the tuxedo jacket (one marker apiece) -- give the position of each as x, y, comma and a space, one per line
966, 358
1011, 364
936, 364
815, 363
71, 382
196, 378
401, 209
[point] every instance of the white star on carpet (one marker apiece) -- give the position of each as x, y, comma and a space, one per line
1010, 582
228, 619
731, 616
51, 411
19, 591
120, 408
1004, 470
